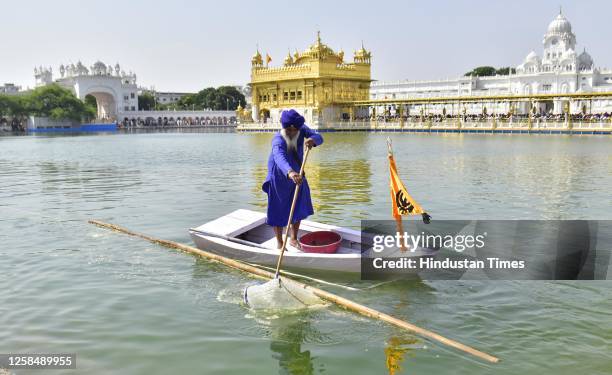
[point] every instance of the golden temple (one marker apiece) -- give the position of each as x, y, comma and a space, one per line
317, 83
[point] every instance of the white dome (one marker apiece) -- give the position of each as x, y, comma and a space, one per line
585, 59
560, 25
99, 64
98, 68
532, 57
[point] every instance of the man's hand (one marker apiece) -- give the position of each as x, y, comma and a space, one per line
295, 177
310, 143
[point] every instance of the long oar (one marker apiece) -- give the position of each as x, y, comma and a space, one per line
340, 301
295, 197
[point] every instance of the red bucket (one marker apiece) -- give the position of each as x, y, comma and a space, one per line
324, 241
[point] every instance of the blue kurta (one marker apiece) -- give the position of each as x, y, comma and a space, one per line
280, 188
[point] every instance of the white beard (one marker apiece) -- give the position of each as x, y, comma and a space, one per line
291, 142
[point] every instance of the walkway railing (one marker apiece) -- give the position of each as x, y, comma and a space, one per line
175, 125
453, 125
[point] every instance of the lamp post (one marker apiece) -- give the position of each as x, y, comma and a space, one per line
227, 99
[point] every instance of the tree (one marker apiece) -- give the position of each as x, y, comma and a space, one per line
233, 97
57, 103
146, 102
91, 101
14, 105
221, 98
91, 104
189, 101
208, 97
485, 71
505, 71
5, 105
481, 71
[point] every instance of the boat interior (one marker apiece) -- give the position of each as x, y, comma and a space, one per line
263, 234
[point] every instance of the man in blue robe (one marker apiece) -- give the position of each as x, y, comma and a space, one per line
283, 175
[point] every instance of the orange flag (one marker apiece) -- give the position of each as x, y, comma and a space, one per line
268, 58
402, 202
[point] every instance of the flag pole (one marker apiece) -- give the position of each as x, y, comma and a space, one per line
398, 219
400, 230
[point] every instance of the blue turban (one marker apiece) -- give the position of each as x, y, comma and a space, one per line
291, 118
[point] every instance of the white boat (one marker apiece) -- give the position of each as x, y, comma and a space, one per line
244, 235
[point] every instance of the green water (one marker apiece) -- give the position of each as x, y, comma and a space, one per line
130, 307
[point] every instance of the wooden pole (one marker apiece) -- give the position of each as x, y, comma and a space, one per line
400, 230
398, 220
291, 211
340, 301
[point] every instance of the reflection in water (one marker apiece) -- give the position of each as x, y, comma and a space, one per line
287, 338
288, 334
564, 177
395, 351
339, 188
260, 200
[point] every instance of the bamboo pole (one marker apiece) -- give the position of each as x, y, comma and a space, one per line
340, 301
291, 211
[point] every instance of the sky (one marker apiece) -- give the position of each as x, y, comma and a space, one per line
185, 46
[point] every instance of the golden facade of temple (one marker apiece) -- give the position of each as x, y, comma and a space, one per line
312, 82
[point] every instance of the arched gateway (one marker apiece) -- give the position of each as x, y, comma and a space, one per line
116, 92
116, 95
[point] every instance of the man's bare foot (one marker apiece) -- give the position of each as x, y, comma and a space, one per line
293, 242
279, 245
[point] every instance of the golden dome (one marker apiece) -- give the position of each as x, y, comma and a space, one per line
319, 51
257, 59
362, 55
288, 59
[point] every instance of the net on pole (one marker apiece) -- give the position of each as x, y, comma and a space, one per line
279, 294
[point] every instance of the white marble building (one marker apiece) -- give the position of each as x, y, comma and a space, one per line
9, 88
115, 90
559, 69
116, 93
163, 97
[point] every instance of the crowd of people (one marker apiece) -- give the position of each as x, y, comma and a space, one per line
178, 122
436, 118
13, 124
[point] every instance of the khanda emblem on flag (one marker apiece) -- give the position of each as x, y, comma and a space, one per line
403, 203
404, 206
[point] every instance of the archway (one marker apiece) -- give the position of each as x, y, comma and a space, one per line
264, 114
105, 104
548, 106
